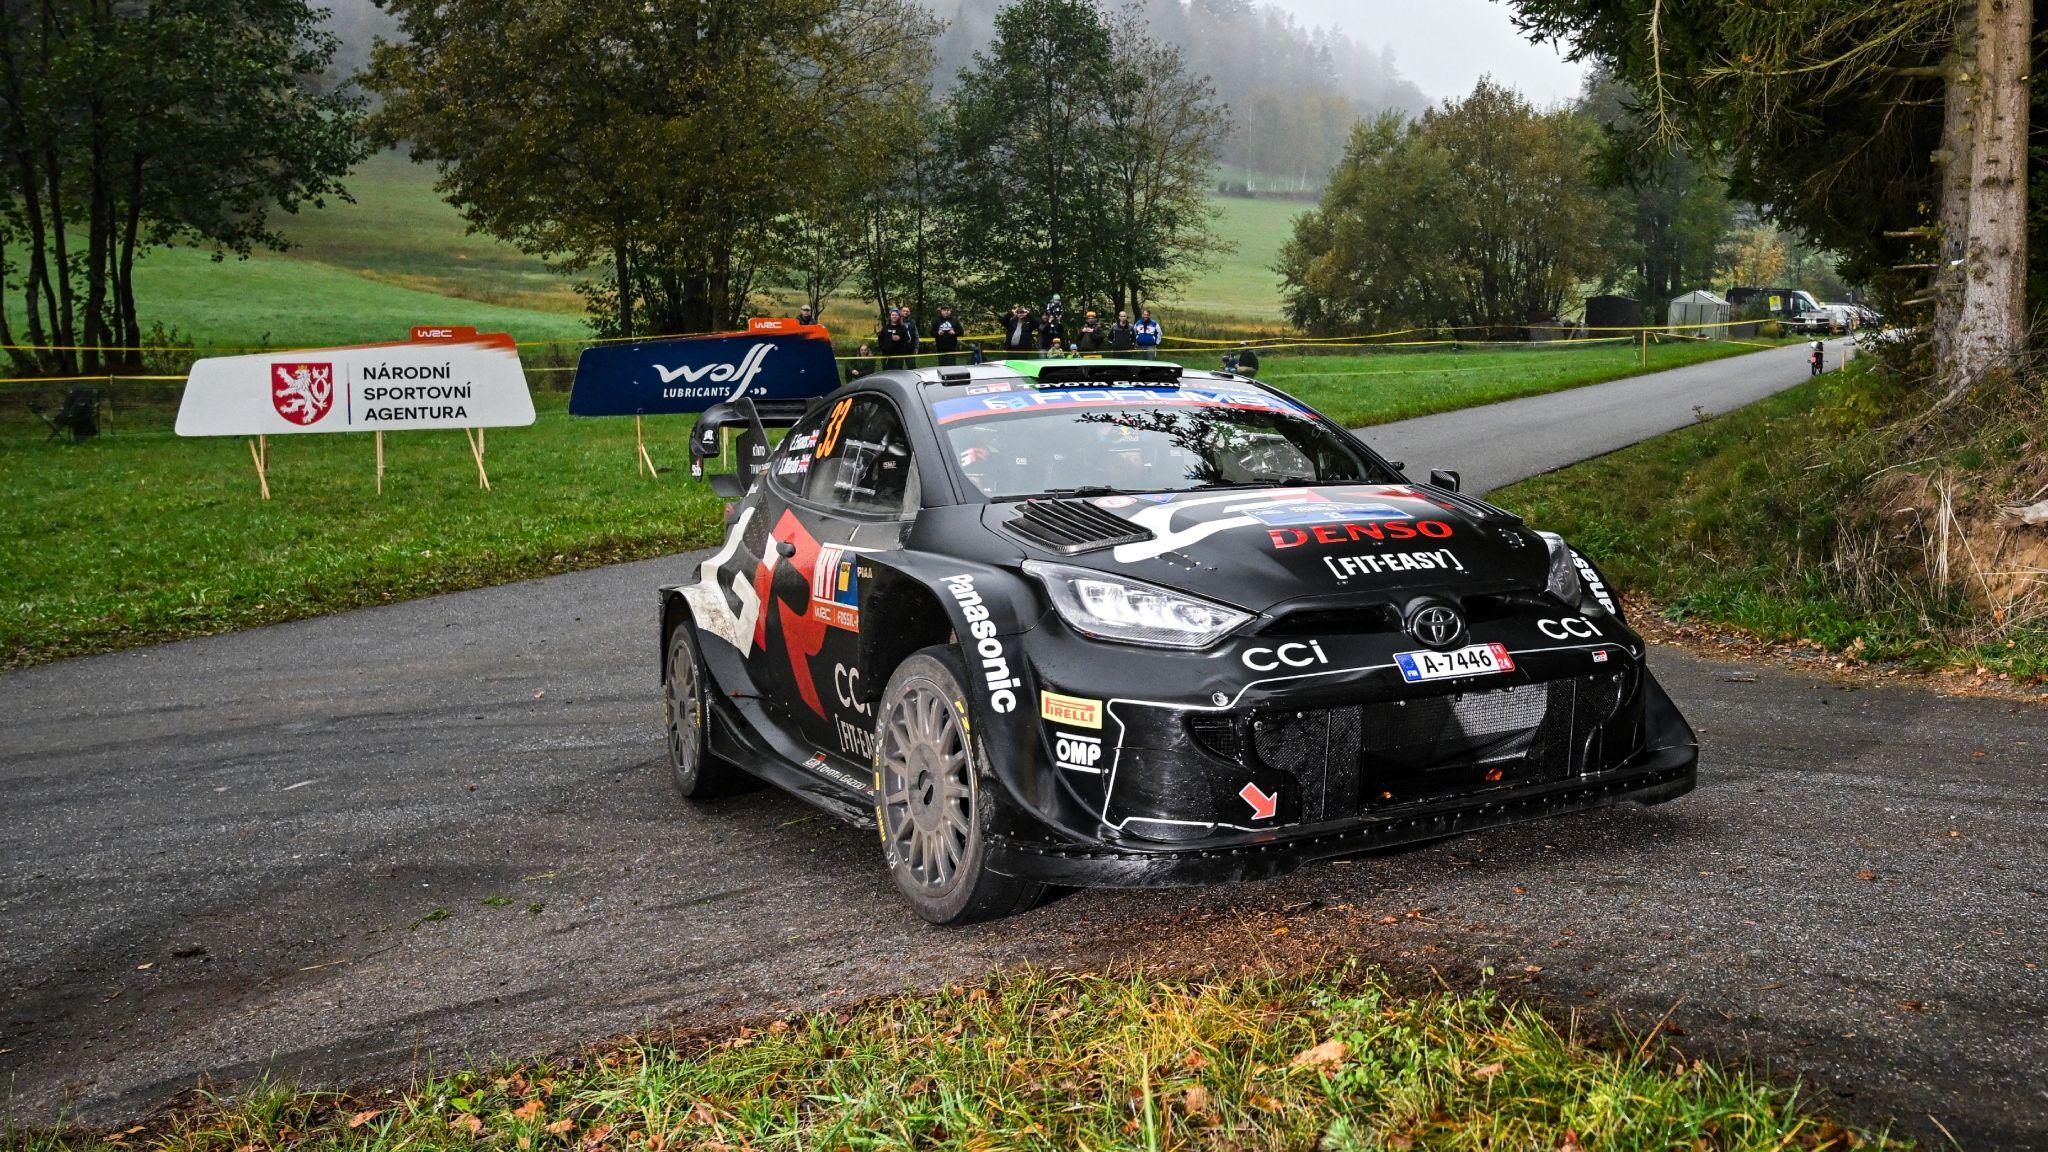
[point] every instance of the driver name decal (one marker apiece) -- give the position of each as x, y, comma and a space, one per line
987, 647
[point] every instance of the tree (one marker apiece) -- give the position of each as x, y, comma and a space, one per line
1161, 125
1082, 155
663, 147
1025, 113
126, 126
1671, 212
1480, 214
1827, 113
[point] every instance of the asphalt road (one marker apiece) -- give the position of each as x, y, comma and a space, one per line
1502, 443
430, 832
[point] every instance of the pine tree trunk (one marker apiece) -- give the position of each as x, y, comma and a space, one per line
1992, 323
1954, 161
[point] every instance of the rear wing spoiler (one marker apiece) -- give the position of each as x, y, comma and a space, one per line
753, 421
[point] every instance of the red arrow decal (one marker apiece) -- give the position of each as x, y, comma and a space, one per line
1263, 806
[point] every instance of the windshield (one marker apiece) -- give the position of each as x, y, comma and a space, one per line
1025, 441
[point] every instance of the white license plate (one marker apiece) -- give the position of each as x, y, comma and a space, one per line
1472, 660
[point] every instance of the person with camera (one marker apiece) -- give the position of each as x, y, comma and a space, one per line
1052, 332
1020, 331
1089, 339
946, 337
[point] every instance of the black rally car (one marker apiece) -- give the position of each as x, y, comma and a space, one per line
1094, 622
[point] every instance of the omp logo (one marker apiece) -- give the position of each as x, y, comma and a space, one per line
743, 372
1073, 710
995, 659
1077, 753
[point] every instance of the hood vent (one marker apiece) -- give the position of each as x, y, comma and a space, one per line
1071, 527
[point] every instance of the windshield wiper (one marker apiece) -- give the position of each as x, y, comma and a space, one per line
1063, 493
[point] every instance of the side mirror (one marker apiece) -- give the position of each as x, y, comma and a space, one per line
1398, 465
1445, 479
751, 450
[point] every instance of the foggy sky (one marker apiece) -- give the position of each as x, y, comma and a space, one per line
1444, 46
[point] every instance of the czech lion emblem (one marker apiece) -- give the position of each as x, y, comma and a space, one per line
302, 393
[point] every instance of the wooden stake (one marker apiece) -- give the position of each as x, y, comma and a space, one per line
1646, 349
380, 461
263, 442
261, 479
640, 448
476, 449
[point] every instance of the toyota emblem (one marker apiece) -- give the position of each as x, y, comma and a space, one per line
1436, 625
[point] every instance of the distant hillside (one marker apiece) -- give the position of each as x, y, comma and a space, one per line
1294, 92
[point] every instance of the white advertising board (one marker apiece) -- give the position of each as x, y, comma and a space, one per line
467, 381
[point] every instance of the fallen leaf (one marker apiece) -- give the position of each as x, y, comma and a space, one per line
529, 1110
597, 1135
1570, 1143
364, 1117
1327, 1055
1866, 874
1489, 1071
474, 1125
700, 1113
1195, 1100
1194, 1060
145, 967
561, 1126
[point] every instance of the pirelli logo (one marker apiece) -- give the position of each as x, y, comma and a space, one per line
1071, 710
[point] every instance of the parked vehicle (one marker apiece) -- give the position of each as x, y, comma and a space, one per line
1100, 622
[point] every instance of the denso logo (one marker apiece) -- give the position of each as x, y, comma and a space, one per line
743, 372
1283, 538
1303, 654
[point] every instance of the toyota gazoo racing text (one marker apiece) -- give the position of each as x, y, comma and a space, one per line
1108, 623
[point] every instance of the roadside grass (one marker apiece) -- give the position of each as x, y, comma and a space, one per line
1338, 1061
1740, 522
140, 537
1382, 387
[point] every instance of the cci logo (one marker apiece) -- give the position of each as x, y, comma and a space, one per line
1305, 654
1570, 628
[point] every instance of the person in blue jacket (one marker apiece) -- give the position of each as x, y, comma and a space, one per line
1146, 334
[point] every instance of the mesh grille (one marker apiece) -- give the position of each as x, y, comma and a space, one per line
1218, 734
1071, 527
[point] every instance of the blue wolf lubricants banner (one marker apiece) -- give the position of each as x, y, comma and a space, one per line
773, 360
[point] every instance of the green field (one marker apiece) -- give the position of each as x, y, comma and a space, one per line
1053, 1064
139, 537
400, 256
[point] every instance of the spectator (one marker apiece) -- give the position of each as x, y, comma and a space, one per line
1052, 333
894, 341
1121, 335
946, 336
863, 364
1244, 361
1089, 338
1021, 332
1056, 311
806, 315
1148, 334
914, 337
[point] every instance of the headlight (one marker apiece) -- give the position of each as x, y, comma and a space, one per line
1564, 575
1114, 608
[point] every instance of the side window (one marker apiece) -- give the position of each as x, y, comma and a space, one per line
793, 461
861, 461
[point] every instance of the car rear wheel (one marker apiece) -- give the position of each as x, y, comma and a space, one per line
697, 773
934, 800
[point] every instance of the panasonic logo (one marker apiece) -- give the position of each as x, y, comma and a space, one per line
995, 659
743, 372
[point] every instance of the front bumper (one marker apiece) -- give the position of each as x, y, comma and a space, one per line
1652, 777
1168, 788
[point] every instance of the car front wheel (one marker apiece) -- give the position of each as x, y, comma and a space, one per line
933, 800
